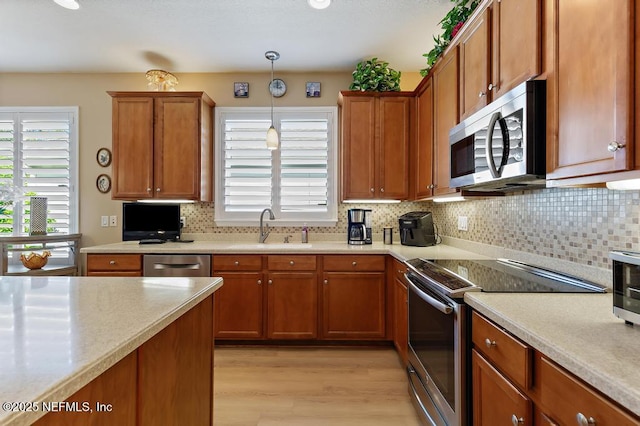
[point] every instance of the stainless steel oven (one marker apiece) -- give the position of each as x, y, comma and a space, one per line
438, 348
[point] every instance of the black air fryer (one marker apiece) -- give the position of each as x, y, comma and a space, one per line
416, 229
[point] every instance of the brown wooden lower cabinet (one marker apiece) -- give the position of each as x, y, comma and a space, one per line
495, 400
239, 309
510, 379
114, 265
168, 380
292, 305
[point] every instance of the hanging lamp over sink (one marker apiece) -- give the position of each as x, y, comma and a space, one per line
273, 139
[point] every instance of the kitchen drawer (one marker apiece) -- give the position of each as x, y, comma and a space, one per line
399, 268
350, 263
114, 262
584, 402
237, 262
287, 262
512, 357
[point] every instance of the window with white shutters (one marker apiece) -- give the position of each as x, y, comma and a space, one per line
38, 157
297, 181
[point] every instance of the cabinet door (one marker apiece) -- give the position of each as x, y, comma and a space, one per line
495, 400
423, 152
400, 319
591, 88
445, 101
393, 157
353, 305
292, 307
475, 65
177, 148
239, 306
132, 139
517, 43
358, 138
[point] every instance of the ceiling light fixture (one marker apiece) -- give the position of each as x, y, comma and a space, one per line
273, 140
68, 4
319, 4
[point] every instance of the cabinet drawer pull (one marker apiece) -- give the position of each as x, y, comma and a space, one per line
491, 86
326, 281
381, 189
112, 262
584, 421
372, 190
148, 189
515, 420
481, 94
489, 342
270, 282
615, 146
259, 282
236, 263
291, 262
157, 189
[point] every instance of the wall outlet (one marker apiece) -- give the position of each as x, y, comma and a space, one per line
183, 221
113, 220
104, 221
463, 223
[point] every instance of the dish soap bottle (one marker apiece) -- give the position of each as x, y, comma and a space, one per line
305, 233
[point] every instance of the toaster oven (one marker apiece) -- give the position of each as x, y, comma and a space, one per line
626, 285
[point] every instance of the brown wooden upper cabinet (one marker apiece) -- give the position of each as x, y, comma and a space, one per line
445, 116
590, 89
374, 160
162, 145
422, 150
499, 48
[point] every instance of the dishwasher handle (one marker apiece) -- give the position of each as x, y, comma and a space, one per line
176, 266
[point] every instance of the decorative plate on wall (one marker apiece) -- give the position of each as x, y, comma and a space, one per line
103, 183
104, 157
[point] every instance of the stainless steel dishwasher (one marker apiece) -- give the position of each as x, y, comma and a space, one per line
177, 265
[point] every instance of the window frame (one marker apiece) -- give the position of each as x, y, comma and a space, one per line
325, 219
74, 169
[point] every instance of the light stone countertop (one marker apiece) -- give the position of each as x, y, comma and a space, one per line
59, 333
578, 331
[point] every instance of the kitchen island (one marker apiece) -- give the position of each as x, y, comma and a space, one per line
105, 347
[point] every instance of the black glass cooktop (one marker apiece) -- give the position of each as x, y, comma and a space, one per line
456, 276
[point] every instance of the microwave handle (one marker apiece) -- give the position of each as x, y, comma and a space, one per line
496, 172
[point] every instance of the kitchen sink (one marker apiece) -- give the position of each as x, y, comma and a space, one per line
270, 246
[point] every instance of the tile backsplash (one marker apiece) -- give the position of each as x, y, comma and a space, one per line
575, 224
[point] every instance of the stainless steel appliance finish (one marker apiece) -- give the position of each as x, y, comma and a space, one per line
502, 146
626, 286
359, 228
438, 354
439, 333
176, 265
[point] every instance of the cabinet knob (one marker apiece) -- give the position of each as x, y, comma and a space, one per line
354, 263
326, 281
489, 342
157, 189
431, 186
270, 282
372, 190
236, 263
112, 262
491, 86
515, 420
381, 189
481, 94
148, 189
615, 146
584, 420
291, 262
259, 282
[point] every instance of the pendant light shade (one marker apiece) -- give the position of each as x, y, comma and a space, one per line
273, 139
68, 4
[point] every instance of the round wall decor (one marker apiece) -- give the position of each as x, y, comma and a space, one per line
103, 183
103, 157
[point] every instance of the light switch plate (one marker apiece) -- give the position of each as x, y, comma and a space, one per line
463, 223
104, 221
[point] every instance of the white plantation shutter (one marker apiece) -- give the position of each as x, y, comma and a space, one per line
38, 157
297, 181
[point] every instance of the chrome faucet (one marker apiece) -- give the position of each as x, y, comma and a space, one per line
264, 230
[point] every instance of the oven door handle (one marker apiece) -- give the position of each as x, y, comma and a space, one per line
442, 307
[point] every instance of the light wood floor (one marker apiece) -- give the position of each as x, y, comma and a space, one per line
310, 386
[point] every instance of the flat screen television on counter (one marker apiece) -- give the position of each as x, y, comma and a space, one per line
149, 221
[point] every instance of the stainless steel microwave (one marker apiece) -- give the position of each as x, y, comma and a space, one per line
626, 285
502, 146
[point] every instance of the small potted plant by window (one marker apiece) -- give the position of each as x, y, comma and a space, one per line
375, 76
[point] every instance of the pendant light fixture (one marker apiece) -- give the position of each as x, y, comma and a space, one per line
273, 140
68, 4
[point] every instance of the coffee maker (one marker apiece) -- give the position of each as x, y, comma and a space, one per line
359, 230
